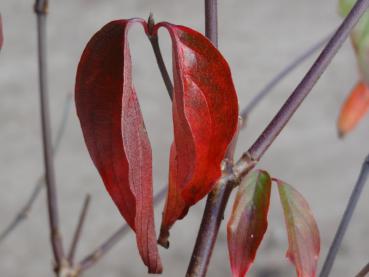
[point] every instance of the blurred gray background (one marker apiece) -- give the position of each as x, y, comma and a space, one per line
258, 38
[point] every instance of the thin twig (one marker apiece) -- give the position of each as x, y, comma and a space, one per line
154, 40
364, 272
281, 75
100, 251
346, 218
24, 212
55, 236
218, 198
78, 232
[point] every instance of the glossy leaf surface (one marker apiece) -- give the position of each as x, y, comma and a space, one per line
354, 108
115, 133
302, 230
205, 116
248, 222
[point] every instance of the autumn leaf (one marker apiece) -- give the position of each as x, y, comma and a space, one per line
302, 230
115, 133
353, 109
248, 222
205, 116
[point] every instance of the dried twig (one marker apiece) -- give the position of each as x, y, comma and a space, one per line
24, 212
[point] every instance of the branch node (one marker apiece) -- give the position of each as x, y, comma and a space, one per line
150, 26
41, 7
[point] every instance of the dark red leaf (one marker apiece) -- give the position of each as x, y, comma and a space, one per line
248, 222
353, 109
115, 133
302, 230
205, 115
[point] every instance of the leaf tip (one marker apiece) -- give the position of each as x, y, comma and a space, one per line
163, 239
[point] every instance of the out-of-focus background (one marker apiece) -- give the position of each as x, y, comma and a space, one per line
258, 38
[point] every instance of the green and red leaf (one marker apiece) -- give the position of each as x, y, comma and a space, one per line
205, 116
248, 222
354, 108
302, 230
115, 133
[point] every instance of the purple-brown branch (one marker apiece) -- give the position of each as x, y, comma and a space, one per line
218, 198
40, 9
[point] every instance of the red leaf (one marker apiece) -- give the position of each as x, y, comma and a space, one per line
353, 109
115, 133
302, 230
248, 222
1, 33
205, 115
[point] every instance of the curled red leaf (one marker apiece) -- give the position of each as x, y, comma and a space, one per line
115, 133
353, 109
302, 230
248, 222
205, 116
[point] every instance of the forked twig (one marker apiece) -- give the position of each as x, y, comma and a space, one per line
346, 218
78, 231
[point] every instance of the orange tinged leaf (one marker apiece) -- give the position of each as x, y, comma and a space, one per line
115, 133
302, 230
248, 222
205, 116
353, 109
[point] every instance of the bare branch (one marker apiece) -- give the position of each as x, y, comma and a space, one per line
26, 209
78, 232
346, 218
218, 198
55, 236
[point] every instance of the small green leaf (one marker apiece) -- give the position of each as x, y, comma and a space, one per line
302, 230
248, 222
